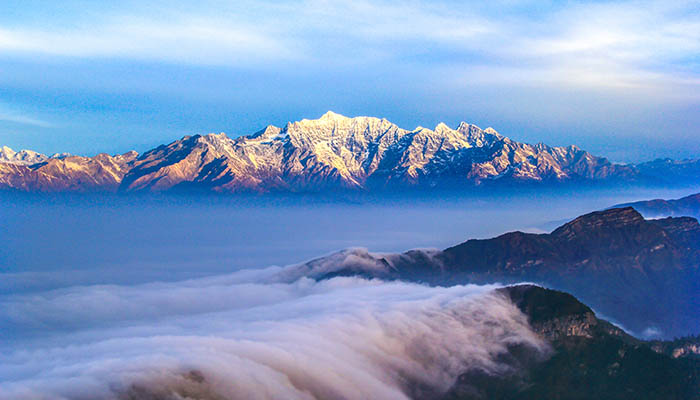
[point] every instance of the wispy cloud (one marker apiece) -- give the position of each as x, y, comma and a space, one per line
195, 41
8, 114
614, 44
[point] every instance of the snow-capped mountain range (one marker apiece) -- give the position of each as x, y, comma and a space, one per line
333, 152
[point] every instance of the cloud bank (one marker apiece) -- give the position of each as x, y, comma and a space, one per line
254, 335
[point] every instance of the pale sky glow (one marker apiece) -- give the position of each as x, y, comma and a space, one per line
107, 78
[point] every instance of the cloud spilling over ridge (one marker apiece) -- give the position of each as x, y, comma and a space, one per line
242, 336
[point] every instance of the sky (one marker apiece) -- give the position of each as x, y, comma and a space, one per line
620, 79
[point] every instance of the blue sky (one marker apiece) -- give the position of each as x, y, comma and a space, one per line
621, 79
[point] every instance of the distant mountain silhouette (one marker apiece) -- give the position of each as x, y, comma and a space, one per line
686, 206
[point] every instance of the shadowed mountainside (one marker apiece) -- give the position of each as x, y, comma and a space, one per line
590, 359
641, 273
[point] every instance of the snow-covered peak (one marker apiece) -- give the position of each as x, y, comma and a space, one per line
442, 127
218, 142
269, 132
6, 152
334, 119
463, 126
492, 131
340, 130
22, 157
270, 135
478, 137
331, 116
61, 155
329, 119
215, 137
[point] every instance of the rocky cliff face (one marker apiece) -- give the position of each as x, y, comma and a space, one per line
334, 153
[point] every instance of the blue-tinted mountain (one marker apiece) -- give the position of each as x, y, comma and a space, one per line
686, 206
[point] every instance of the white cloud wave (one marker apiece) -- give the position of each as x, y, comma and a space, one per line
241, 337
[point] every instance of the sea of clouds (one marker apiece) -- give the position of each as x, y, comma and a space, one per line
257, 334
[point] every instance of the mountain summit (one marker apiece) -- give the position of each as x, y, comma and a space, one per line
22, 157
333, 152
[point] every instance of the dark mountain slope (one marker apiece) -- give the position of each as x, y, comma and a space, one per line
591, 359
641, 273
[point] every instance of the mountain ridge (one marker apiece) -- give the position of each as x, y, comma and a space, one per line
642, 273
685, 206
334, 152
589, 358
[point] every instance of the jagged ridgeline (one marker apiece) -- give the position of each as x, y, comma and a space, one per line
331, 153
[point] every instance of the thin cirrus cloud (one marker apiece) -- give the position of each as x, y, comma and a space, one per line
610, 46
606, 45
267, 32
8, 114
192, 41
